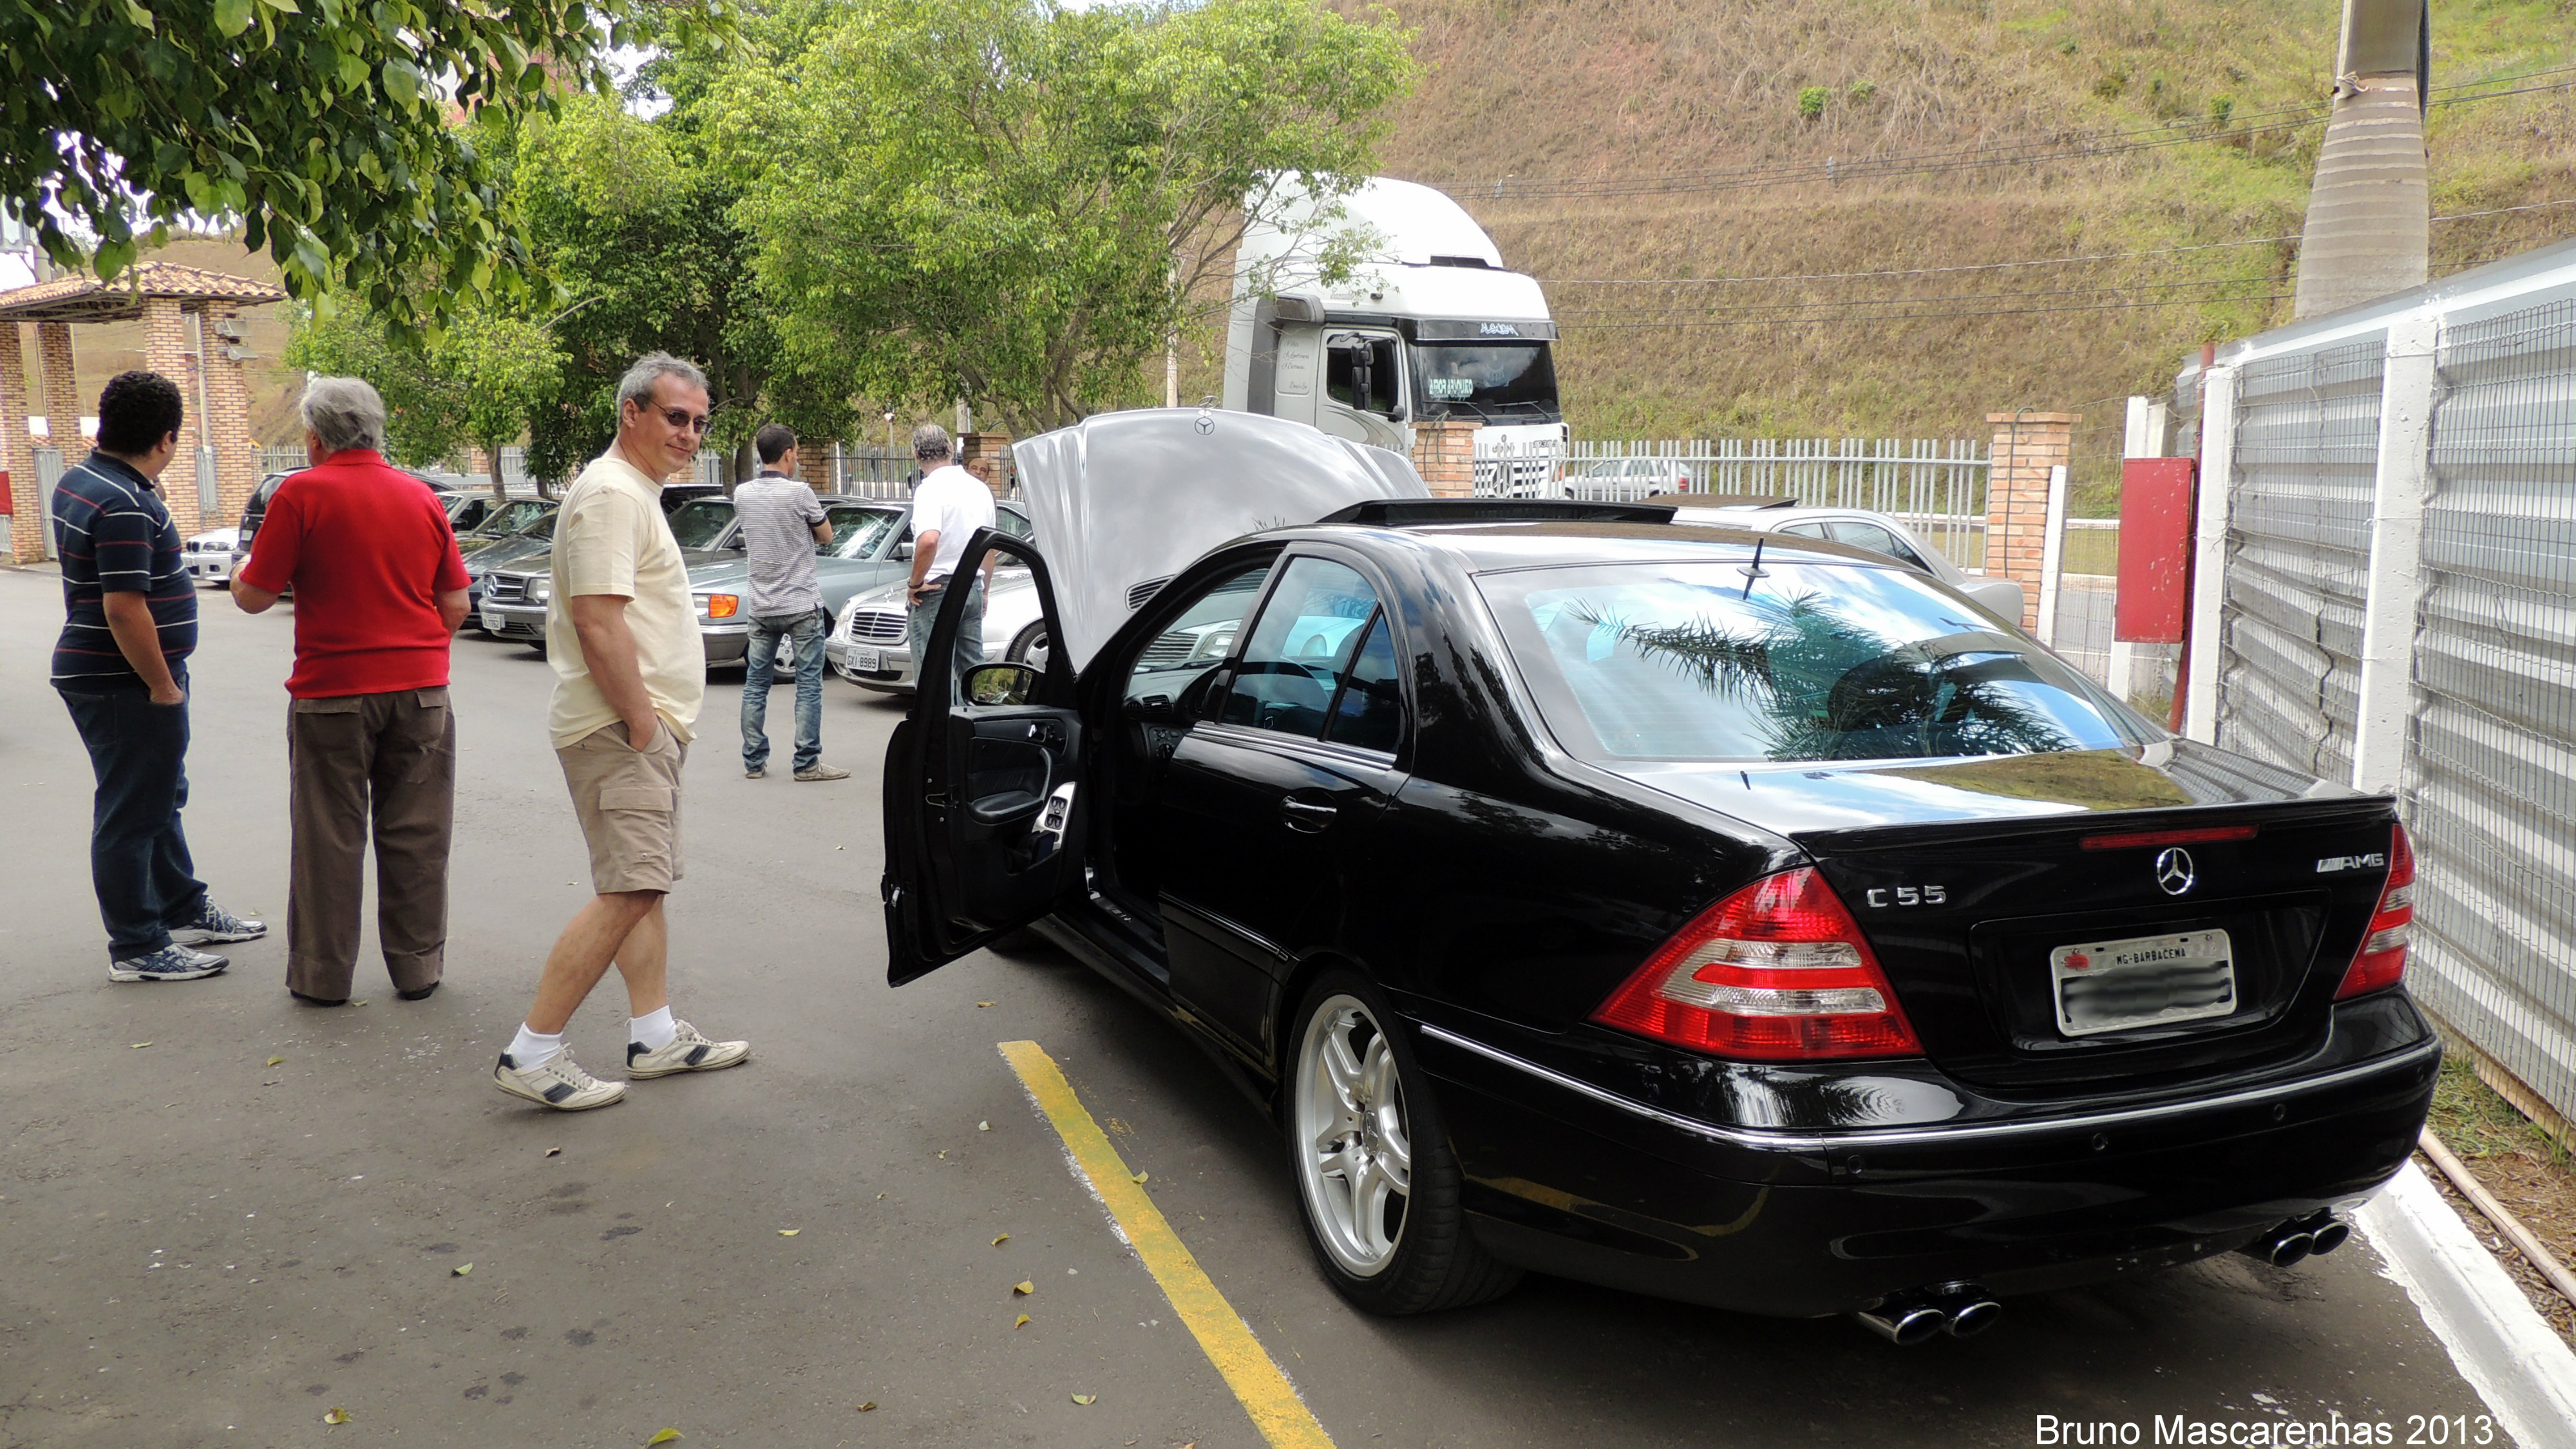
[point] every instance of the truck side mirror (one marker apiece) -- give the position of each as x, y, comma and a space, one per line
1402, 414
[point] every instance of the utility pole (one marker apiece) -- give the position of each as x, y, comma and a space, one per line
2368, 230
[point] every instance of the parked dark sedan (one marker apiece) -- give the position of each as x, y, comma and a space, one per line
1729, 917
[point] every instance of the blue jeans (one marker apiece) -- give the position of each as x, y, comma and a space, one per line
138, 856
759, 671
970, 633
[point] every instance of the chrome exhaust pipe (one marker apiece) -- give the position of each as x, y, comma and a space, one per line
2326, 1232
2284, 1244
1904, 1319
1971, 1309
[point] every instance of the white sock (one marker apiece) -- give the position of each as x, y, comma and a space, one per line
654, 1032
532, 1049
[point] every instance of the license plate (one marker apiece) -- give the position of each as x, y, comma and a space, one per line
492, 620
2142, 981
866, 659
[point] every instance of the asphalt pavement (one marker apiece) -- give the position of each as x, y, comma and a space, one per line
224, 1215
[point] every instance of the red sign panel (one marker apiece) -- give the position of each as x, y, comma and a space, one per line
2155, 550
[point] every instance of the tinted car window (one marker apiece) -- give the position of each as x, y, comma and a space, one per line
1810, 662
1803, 530
1301, 649
1012, 523
1370, 713
856, 532
1199, 639
1874, 538
699, 524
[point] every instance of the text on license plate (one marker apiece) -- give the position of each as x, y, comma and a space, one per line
492, 620
865, 658
2142, 981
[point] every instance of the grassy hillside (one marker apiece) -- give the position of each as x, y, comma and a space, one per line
1738, 104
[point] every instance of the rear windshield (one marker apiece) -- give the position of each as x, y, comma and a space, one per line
698, 524
1812, 661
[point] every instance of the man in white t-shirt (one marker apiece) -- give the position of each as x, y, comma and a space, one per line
947, 508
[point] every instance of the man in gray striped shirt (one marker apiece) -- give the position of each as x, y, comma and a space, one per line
782, 525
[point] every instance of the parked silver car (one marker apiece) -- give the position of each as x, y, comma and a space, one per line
871, 641
1878, 532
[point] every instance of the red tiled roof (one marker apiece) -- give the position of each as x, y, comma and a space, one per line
87, 299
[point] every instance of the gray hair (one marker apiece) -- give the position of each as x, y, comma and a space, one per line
637, 385
929, 441
344, 412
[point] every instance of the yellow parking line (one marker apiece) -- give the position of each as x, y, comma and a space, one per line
1249, 1370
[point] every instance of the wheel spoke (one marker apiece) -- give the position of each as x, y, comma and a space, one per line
1395, 1154
1368, 1208
1376, 1077
1341, 1068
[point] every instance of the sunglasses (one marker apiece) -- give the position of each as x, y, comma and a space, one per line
686, 421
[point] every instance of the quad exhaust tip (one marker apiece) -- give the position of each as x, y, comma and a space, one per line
1961, 1310
2298, 1239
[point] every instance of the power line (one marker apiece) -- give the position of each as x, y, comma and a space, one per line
1789, 319
1993, 266
2206, 282
1832, 169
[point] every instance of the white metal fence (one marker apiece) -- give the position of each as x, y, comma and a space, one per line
2387, 561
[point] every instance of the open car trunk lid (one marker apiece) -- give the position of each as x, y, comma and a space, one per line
2109, 928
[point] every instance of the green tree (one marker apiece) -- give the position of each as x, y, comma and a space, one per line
475, 386
1015, 203
633, 226
502, 368
320, 124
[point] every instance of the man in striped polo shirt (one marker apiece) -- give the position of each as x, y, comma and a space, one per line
130, 623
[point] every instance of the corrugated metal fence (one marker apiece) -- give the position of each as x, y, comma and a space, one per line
2438, 661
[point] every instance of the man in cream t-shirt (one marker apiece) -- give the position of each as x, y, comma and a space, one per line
630, 670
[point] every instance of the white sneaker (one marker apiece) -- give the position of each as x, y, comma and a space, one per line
559, 1083
687, 1051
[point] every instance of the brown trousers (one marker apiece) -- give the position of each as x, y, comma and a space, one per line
393, 757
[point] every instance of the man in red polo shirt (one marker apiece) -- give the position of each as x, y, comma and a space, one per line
379, 591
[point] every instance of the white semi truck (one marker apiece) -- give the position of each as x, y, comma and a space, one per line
1429, 325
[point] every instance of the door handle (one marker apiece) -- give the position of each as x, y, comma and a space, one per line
1305, 815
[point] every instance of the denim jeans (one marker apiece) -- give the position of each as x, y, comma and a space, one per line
138, 856
970, 633
759, 671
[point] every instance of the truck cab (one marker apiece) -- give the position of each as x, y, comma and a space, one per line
1427, 325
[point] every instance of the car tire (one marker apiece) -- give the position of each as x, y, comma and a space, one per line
1029, 639
1356, 1103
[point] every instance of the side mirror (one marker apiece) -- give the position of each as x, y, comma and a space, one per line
1001, 684
1402, 414
903, 551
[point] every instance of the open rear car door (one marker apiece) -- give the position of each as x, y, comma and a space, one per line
983, 789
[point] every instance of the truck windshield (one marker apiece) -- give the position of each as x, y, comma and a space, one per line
1498, 382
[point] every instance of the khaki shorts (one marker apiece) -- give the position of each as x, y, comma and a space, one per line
629, 804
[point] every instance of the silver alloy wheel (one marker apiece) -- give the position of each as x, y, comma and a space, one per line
1354, 1146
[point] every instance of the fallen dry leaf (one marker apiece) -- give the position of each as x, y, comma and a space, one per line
336, 1416
1021, 1322
665, 1436
870, 1404
987, 1003
554, 1152
789, 1232
460, 1270
138, 1046
983, 1126
1025, 1287
277, 1061
1086, 1398
359, 1002
1004, 1238
1140, 1177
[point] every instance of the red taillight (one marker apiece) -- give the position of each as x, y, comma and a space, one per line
2381, 961
2141, 838
1777, 971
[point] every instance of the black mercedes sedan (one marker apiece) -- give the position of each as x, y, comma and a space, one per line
1733, 918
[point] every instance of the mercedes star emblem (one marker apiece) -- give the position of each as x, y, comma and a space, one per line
2173, 871
1206, 424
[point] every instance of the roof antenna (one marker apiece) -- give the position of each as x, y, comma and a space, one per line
1755, 570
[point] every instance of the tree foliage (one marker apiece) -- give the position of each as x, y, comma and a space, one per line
320, 124
1015, 203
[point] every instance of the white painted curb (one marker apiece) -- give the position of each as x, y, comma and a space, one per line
2500, 1343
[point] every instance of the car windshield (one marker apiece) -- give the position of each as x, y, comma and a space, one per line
698, 524
514, 515
1514, 381
1808, 661
856, 532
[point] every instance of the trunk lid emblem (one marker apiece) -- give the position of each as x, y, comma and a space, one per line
2174, 872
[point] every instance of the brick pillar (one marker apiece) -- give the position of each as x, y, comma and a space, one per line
2027, 445
814, 465
165, 351
17, 457
228, 421
984, 449
61, 390
1444, 453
